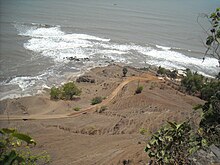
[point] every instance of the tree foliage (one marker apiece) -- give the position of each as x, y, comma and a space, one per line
209, 89
124, 71
210, 122
192, 82
196, 83
67, 91
15, 149
55, 93
213, 35
70, 90
173, 144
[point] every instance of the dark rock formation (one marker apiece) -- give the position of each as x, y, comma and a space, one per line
85, 78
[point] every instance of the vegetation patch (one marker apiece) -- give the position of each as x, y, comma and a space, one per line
66, 92
124, 71
195, 83
173, 143
16, 149
96, 100
167, 72
76, 108
139, 89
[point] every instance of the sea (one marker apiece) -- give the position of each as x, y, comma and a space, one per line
44, 42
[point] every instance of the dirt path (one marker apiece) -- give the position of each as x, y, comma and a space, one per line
144, 77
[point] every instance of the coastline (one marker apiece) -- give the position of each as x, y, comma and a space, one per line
112, 134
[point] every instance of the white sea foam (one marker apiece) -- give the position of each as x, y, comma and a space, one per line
163, 47
44, 32
56, 44
117, 52
52, 42
72, 37
23, 82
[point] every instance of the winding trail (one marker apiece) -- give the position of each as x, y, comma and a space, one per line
144, 77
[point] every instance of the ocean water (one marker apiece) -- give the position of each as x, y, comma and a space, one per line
38, 36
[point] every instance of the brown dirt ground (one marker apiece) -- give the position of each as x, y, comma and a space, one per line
95, 137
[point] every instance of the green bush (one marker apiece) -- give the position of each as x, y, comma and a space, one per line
207, 92
209, 89
96, 100
143, 131
70, 90
67, 91
193, 82
161, 70
76, 108
196, 83
173, 144
125, 71
210, 122
139, 89
55, 93
15, 149
169, 73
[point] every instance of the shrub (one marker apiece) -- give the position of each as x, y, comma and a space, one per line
143, 131
70, 90
15, 149
169, 73
173, 144
67, 91
193, 82
161, 70
125, 71
210, 122
96, 100
76, 108
209, 89
139, 89
207, 93
55, 93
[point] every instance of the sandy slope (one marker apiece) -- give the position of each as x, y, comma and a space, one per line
109, 137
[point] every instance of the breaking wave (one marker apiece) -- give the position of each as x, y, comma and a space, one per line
52, 42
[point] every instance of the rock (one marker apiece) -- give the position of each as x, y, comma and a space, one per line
86, 59
215, 150
85, 79
206, 157
77, 59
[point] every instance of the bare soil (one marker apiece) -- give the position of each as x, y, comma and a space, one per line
106, 133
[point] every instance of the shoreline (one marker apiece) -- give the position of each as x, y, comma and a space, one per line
109, 129
72, 76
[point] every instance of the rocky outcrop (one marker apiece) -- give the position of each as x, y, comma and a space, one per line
88, 79
211, 156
